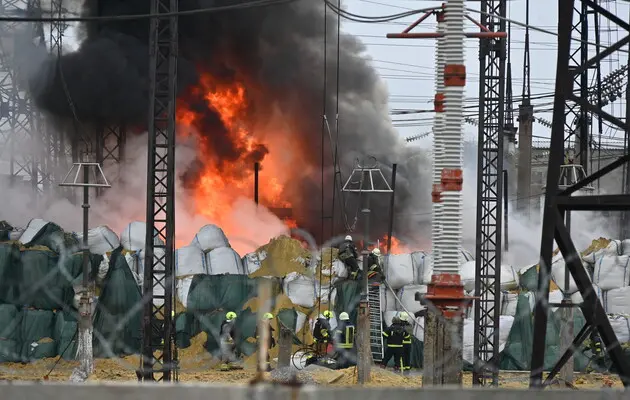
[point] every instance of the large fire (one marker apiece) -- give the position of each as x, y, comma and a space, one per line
226, 178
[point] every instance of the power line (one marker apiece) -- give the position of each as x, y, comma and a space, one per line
251, 4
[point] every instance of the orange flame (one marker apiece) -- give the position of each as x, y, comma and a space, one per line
398, 247
221, 182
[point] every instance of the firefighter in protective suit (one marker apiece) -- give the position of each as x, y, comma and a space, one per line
348, 254
271, 342
375, 272
344, 341
322, 333
227, 345
395, 334
404, 322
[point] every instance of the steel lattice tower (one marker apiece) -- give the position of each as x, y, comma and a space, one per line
20, 138
559, 203
161, 357
489, 194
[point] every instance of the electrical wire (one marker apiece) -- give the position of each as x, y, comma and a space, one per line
324, 108
127, 17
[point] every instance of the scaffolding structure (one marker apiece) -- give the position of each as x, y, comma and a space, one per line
159, 350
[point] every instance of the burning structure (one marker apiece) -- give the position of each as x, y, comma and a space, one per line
251, 90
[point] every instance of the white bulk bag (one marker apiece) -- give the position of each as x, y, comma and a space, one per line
407, 296
467, 275
388, 301
621, 326
611, 272
300, 321
399, 270
134, 236
614, 248
32, 229
505, 325
210, 237
300, 289
253, 261
509, 277
388, 316
158, 253
558, 269
190, 260
133, 263
617, 301
422, 267
224, 261
183, 288
508, 303
101, 240
339, 270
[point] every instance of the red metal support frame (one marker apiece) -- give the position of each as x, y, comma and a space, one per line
407, 34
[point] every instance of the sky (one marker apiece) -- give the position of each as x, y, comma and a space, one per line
407, 65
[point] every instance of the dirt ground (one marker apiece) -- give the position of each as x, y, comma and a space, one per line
204, 370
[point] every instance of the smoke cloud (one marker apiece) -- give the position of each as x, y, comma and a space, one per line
277, 53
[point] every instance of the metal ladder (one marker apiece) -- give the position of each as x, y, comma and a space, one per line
376, 321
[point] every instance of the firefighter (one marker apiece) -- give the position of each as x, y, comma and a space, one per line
395, 334
348, 254
344, 341
271, 342
375, 272
322, 332
227, 336
404, 322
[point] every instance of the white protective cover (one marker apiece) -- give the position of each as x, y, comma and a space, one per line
101, 239
253, 261
617, 301
32, 229
611, 272
299, 322
133, 237
183, 288
400, 270
210, 237
407, 297
388, 301
508, 303
301, 289
103, 268
509, 276
190, 260
224, 261
558, 269
505, 325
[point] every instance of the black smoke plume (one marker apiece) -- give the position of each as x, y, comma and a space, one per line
280, 51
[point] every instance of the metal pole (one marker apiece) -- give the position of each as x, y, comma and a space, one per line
506, 245
256, 169
85, 309
390, 229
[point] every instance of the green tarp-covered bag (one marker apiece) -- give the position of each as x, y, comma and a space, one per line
36, 329
65, 334
10, 272
40, 277
348, 297
118, 316
209, 293
10, 318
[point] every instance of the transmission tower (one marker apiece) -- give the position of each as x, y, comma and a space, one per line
559, 203
20, 139
489, 195
160, 357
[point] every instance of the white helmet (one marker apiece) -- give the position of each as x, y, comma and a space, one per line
376, 251
344, 316
403, 316
348, 238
